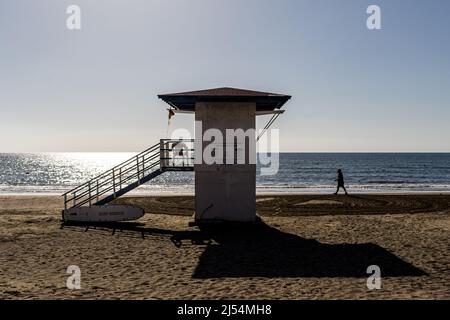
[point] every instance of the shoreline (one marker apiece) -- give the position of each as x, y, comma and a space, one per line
287, 205
258, 194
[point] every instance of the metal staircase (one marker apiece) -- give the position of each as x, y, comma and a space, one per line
168, 155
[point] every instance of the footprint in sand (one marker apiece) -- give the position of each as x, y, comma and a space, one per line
264, 199
319, 202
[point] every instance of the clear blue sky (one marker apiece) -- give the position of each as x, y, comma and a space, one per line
353, 89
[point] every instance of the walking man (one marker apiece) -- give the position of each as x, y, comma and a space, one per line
340, 182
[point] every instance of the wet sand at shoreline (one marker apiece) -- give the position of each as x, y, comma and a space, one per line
309, 247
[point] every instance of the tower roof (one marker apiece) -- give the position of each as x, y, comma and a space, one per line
265, 101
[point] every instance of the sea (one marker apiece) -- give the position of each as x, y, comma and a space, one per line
297, 173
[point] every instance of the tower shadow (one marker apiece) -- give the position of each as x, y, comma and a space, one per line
262, 251
258, 250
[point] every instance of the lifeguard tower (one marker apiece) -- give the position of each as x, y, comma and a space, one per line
224, 190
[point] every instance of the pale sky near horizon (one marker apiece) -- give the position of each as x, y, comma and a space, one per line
354, 90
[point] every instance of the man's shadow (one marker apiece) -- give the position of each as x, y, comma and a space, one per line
258, 250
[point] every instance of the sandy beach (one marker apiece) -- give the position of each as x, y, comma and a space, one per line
308, 247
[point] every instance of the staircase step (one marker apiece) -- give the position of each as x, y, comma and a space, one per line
128, 188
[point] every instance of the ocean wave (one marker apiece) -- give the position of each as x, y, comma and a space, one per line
298, 173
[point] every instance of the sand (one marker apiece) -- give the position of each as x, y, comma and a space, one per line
308, 247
